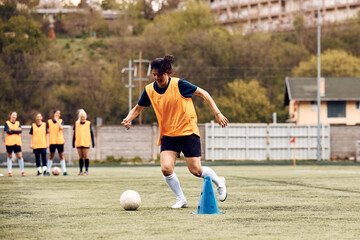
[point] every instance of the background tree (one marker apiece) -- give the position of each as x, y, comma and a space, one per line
245, 102
334, 63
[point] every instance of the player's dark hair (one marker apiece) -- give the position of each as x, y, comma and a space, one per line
163, 64
56, 111
11, 113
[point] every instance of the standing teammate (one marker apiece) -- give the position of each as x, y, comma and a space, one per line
83, 137
39, 142
56, 141
13, 142
171, 100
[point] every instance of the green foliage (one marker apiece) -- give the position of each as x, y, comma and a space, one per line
245, 102
109, 4
334, 63
21, 35
7, 10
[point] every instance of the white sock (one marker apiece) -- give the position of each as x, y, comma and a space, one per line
21, 164
49, 164
9, 164
214, 177
39, 169
44, 168
63, 165
174, 184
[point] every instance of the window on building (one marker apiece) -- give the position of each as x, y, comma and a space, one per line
336, 109
357, 105
313, 106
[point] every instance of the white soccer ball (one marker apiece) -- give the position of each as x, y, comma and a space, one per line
56, 171
130, 200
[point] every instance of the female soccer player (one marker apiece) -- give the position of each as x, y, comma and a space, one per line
83, 134
56, 141
171, 100
13, 142
39, 142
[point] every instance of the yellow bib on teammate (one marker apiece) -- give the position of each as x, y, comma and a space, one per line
82, 134
39, 136
13, 139
176, 114
56, 135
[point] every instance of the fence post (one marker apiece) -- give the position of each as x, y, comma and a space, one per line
69, 141
212, 141
154, 141
268, 141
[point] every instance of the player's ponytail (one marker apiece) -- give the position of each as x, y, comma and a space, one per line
163, 64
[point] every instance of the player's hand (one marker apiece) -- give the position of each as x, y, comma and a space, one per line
126, 124
222, 120
31, 147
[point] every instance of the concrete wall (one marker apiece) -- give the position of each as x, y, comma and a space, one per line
343, 140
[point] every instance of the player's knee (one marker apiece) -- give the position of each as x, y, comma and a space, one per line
196, 172
167, 170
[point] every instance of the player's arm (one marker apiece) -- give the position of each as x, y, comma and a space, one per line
132, 115
220, 118
60, 125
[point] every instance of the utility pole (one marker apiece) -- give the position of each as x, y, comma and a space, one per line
318, 153
140, 78
130, 86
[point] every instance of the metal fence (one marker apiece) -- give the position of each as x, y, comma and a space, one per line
265, 142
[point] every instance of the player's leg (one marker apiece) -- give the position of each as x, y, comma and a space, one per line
44, 160
194, 166
87, 162
9, 160
51, 158
191, 147
20, 160
81, 160
167, 161
37, 161
62, 159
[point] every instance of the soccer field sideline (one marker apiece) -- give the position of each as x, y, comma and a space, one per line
278, 202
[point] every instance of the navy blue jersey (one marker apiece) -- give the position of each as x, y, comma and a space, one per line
186, 90
8, 131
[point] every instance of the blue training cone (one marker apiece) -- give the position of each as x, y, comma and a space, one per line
208, 203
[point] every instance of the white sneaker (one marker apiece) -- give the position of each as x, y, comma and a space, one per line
180, 204
222, 191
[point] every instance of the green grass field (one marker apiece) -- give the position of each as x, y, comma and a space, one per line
265, 202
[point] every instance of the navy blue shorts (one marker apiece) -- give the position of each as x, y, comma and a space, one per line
39, 151
59, 147
189, 145
14, 148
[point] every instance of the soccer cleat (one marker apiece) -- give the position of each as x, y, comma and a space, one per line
81, 173
180, 204
85, 173
65, 174
23, 174
222, 193
38, 174
9, 174
44, 173
47, 173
